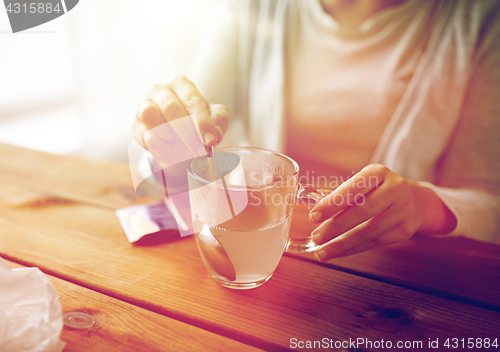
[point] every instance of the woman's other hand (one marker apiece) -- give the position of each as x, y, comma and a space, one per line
374, 208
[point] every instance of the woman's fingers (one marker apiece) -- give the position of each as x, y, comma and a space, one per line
220, 117
149, 114
152, 140
150, 118
139, 129
365, 208
350, 192
381, 211
194, 104
167, 102
375, 232
342, 249
177, 99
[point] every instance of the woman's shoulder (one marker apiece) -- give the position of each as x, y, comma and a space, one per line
473, 24
482, 14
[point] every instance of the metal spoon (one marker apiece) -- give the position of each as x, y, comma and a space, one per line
214, 253
211, 249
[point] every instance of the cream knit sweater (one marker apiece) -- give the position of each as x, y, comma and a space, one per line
444, 132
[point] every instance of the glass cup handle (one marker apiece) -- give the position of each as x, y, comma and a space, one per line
301, 241
312, 192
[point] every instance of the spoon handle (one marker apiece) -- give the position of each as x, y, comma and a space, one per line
210, 151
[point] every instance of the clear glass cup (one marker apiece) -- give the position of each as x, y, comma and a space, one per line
242, 218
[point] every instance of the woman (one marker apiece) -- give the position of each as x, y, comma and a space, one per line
402, 91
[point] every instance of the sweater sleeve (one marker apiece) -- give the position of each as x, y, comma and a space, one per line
468, 175
477, 211
215, 70
214, 67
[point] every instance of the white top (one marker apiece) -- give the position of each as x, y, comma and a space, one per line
444, 131
346, 81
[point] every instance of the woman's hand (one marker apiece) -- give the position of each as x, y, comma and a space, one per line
376, 207
179, 98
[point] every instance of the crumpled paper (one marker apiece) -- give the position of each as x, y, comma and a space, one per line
30, 311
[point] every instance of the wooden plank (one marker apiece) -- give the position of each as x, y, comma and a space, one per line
101, 183
456, 268
86, 245
451, 267
124, 327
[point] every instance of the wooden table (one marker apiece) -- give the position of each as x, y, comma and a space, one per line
57, 213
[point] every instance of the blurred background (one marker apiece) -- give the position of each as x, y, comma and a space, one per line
72, 85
